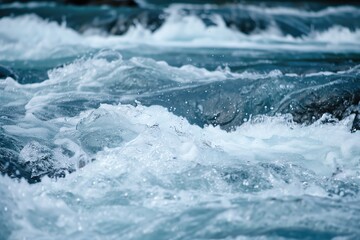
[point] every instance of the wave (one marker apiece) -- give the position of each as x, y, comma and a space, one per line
336, 35
106, 72
38, 39
108, 77
42, 39
275, 10
151, 160
31, 5
39, 109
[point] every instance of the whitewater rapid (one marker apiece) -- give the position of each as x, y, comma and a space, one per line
44, 39
157, 166
197, 128
132, 164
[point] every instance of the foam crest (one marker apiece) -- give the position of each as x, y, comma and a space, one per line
323, 148
27, 5
108, 65
337, 35
37, 39
292, 11
326, 12
108, 77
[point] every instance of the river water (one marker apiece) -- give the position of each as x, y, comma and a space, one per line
179, 121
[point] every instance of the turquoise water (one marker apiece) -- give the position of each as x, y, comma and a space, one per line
179, 121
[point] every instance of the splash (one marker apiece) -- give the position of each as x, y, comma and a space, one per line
156, 164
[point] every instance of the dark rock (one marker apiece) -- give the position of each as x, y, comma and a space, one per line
230, 103
227, 103
309, 105
244, 22
354, 110
115, 3
149, 19
30, 161
6, 72
356, 123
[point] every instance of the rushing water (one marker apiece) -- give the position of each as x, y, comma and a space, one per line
181, 121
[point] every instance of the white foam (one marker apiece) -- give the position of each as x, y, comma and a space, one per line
337, 35
271, 10
27, 5
170, 166
108, 75
99, 70
326, 12
29, 37
40, 39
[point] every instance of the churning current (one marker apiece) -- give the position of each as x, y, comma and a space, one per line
179, 121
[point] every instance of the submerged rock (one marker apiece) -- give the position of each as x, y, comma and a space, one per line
149, 19
229, 104
115, 3
33, 160
339, 100
6, 72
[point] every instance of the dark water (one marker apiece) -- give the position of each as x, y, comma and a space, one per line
180, 121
